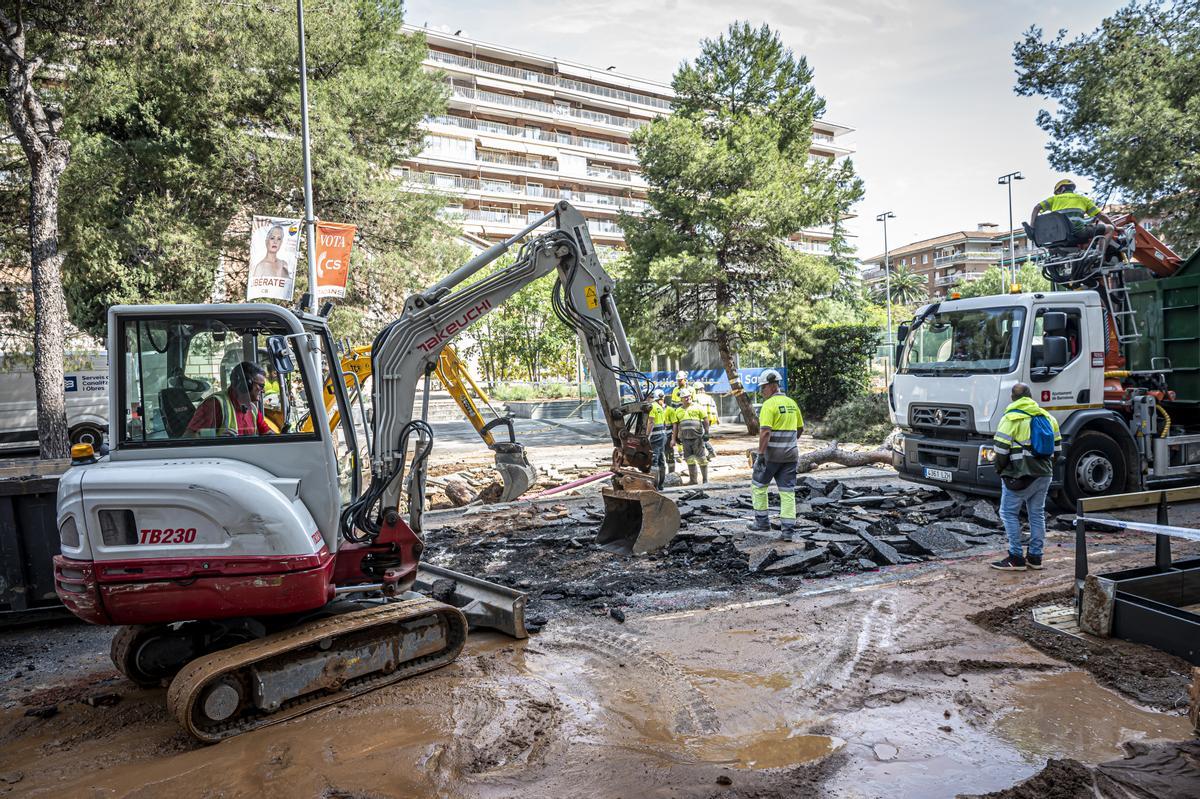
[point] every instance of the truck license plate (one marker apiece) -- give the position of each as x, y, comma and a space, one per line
939, 474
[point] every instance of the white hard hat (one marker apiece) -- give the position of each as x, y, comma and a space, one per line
659, 394
681, 375
697, 386
769, 376
685, 393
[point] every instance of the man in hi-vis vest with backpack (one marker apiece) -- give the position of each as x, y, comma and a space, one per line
1026, 443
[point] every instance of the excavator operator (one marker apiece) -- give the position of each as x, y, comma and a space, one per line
235, 412
1088, 220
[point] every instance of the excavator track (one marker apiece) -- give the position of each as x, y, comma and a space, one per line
320, 663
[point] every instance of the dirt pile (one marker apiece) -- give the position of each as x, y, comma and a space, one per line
1149, 676
1151, 770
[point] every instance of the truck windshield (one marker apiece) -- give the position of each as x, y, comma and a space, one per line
975, 341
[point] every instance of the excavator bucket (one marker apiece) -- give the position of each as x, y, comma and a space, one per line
637, 522
516, 473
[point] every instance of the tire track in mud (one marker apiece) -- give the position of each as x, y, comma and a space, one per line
504, 724
841, 680
685, 705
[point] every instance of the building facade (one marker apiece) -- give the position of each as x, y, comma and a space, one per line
523, 131
952, 259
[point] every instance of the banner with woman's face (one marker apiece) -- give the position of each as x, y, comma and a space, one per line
274, 248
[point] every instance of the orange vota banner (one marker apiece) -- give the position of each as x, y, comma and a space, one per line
334, 241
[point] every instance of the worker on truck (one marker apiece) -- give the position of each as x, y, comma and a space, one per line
1026, 443
236, 411
1088, 219
780, 425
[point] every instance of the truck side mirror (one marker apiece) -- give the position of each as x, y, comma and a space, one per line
902, 332
1054, 351
1054, 323
281, 355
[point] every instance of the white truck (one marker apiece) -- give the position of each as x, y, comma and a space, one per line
1116, 360
86, 398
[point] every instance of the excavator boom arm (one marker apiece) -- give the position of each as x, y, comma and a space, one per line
410, 347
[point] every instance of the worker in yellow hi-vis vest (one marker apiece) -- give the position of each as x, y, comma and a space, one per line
691, 423
780, 425
706, 401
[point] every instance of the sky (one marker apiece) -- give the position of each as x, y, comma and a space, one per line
927, 85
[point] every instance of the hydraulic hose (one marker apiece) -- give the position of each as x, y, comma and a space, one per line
1166, 420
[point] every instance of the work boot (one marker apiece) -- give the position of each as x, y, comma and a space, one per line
693, 473
1012, 563
789, 530
704, 473
1033, 561
662, 476
760, 524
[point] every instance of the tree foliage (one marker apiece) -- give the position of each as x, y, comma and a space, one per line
729, 179
523, 339
1029, 278
189, 124
906, 287
837, 368
1127, 108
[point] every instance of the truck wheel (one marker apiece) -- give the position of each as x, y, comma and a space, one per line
1095, 465
87, 434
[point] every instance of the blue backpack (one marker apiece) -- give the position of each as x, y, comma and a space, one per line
1041, 434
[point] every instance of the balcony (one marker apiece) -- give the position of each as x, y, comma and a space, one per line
956, 278
990, 257
499, 128
604, 228
598, 227
549, 80
517, 161
552, 109
609, 174
458, 184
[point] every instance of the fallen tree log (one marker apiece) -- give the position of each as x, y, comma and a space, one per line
832, 453
844, 457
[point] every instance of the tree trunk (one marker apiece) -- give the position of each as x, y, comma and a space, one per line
735, 385
49, 304
834, 454
47, 154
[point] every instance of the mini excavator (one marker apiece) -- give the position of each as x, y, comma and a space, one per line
234, 570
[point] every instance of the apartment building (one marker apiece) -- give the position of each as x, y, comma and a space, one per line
952, 259
523, 131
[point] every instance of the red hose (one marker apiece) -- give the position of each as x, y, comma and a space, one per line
573, 484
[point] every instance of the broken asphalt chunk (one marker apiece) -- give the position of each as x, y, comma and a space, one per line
884, 551
794, 564
937, 539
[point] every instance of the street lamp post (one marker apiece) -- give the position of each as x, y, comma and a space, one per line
1006, 180
309, 219
887, 289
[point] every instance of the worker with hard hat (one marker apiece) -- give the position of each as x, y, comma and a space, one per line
705, 400
1088, 219
662, 419
673, 405
780, 425
691, 423
680, 384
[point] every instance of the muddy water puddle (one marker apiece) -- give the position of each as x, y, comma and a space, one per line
1071, 715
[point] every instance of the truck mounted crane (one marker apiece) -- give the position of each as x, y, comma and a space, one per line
1113, 353
230, 564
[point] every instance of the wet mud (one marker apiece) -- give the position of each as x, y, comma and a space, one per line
1147, 675
870, 685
